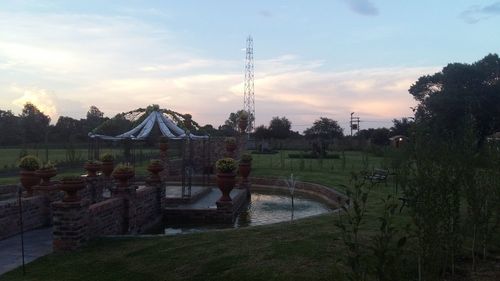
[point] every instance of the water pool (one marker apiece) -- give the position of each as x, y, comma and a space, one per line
264, 208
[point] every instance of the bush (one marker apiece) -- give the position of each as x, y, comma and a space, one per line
246, 158
29, 163
107, 157
225, 165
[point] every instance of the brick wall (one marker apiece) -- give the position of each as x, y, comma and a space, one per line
148, 210
106, 217
35, 214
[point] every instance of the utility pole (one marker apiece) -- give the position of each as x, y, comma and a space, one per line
354, 123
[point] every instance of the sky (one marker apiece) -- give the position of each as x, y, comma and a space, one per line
312, 58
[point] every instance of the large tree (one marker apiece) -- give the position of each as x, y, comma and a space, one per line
68, 129
323, 132
34, 123
460, 91
279, 128
10, 129
232, 120
95, 117
401, 126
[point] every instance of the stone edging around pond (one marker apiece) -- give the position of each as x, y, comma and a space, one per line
326, 194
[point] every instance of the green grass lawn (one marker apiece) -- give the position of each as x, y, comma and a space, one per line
306, 249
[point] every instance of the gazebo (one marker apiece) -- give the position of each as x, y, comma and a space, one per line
169, 130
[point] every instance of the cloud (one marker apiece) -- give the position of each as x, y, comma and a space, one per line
477, 13
41, 98
265, 14
363, 7
66, 63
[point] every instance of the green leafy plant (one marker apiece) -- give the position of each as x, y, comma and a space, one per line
350, 220
155, 162
29, 163
246, 158
225, 165
107, 157
93, 162
124, 168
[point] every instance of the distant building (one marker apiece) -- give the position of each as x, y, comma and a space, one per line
398, 140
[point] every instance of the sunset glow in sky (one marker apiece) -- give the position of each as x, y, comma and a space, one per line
312, 58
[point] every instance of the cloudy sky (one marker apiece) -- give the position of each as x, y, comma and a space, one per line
312, 58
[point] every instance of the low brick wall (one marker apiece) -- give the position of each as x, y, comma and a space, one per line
130, 210
148, 211
35, 214
106, 217
8, 191
328, 195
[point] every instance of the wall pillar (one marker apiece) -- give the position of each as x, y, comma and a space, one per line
129, 198
95, 186
70, 224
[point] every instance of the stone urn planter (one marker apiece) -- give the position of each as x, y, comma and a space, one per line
71, 186
243, 121
122, 174
226, 178
230, 143
107, 165
46, 174
244, 171
92, 167
154, 168
27, 176
107, 168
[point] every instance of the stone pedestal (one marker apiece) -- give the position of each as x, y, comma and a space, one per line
225, 211
70, 221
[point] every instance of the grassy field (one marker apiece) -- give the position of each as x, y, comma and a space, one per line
307, 249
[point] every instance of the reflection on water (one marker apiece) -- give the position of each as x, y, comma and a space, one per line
264, 208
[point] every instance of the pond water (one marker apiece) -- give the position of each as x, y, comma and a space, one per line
264, 208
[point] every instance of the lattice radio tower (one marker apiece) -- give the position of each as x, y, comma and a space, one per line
249, 94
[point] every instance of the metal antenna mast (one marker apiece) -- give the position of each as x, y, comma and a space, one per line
249, 94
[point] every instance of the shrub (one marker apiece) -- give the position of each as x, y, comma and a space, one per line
29, 163
107, 157
124, 168
225, 165
155, 162
246, 158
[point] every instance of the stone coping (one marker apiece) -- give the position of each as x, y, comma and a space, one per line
328, 195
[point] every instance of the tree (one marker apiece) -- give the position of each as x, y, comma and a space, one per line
279, 128
34, 123
261, 133
232, 120
323, 131
68, 129
401, 127
95, 117
460, 91
11, 132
